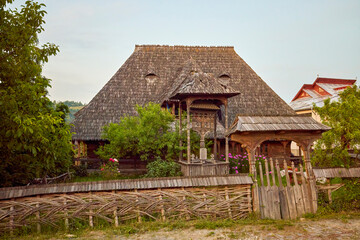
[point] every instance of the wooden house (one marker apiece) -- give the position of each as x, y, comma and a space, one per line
315, 93
213, 81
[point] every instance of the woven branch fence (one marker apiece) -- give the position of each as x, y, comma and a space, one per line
116, 207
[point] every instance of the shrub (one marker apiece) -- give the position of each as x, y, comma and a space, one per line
163, 168
80, 171
347, 197
110, 170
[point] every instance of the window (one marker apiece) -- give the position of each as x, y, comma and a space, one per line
151, 78
224, 79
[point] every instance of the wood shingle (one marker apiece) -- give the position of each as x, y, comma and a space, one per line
152, 71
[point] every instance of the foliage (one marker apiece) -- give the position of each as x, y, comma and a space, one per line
163, 168
110, 169
346, 198
343, 117
35, 142
145, 136
80, 171
73, 104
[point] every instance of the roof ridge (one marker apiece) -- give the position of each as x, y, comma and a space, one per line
180, 47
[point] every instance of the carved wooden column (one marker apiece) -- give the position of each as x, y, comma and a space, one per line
226, 130
251, 157
285, 143
180, 132
173, 109
215, 140
232, 147
218, 144
188, 129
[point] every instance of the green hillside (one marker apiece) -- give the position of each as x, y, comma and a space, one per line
73, 108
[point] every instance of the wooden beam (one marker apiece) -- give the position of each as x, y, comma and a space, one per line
226, 130
215, 140
180, 132
188, 129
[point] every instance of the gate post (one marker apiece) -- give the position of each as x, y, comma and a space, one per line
311, 176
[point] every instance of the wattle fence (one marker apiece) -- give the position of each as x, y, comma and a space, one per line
118, 201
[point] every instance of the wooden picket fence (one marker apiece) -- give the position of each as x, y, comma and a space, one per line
279, 201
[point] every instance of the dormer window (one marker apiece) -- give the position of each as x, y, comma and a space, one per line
224, 76
151, 78
224, 79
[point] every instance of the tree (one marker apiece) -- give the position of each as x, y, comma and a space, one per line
343, 117
35, 142
146, 136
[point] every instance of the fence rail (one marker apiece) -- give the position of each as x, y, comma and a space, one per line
336, 172
125, 184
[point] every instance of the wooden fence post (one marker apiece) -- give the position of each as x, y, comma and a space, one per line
284, 207
275, 193
38, 226
137, 205
116, 218
11, 223
91, 222
269, 194
297, 193
187, 216
249, 199
289, 193
262, 195
312, 181
161, 205
228, 202
66, 213
305, 191
205, 199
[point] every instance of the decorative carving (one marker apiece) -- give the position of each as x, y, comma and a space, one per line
202, 122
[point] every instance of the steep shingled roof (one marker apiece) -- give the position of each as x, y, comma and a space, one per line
149, 74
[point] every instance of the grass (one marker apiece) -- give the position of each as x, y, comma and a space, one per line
81, 228
93, 177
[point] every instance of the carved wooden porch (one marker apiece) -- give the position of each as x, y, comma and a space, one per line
201, 95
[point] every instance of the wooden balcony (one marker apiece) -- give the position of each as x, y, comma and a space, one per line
199, 167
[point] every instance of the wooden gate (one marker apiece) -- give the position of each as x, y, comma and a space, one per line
286, 197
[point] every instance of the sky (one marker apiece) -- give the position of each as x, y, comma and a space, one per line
287, 43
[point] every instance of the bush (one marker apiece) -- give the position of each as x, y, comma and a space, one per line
80, 171
163, 168
347, 198
110, 170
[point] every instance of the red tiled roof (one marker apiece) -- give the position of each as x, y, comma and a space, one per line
315, 87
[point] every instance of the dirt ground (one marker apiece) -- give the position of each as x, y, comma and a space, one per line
306, 229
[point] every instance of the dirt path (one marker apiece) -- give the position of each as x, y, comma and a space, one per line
307, 229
